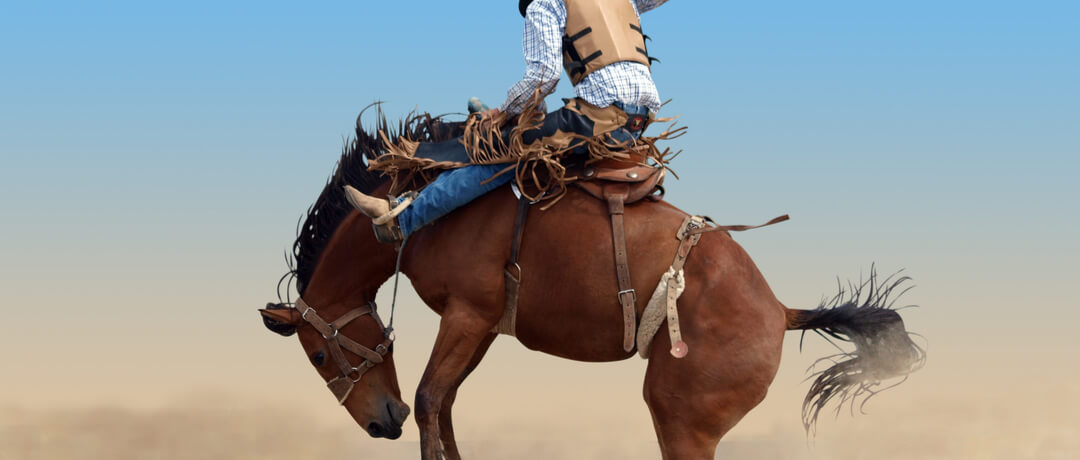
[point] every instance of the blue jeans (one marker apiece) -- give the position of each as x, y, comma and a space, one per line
451, 190
457, 187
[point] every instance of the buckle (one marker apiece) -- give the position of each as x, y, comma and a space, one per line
636, 122
628, 291
303, 315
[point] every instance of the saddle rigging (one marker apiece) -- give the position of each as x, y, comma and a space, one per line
620, 183
617, 183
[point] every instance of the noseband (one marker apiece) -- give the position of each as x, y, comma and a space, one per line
348, 375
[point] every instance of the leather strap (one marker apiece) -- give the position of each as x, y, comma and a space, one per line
678, 347
342, 385
615, 195
519, 229
331, 332
399, 206
512, 273
687, 240
351, 315
689, 234
736, 228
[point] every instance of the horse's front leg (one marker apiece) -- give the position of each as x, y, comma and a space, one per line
446, 425
462, 331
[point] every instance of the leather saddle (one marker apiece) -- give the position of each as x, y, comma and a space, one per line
631, 178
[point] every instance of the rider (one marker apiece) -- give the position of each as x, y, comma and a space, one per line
601, 45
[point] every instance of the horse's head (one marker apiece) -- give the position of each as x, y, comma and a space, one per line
339, 266
353, 352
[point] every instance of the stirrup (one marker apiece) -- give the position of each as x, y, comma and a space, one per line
388, 233
386, 226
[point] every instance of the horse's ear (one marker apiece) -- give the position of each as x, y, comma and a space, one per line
280, 319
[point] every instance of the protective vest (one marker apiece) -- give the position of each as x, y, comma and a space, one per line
599, 33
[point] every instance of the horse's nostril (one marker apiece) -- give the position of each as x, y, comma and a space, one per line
375, 430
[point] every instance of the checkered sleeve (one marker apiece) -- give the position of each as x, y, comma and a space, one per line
646, 5
545, 21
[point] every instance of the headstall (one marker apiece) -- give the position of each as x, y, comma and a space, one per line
342, 385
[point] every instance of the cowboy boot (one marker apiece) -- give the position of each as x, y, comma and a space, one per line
379, 210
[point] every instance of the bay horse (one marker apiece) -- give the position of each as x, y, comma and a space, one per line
567, 307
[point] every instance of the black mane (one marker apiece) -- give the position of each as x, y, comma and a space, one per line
330, 208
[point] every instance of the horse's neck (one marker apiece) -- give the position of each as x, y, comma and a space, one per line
352, 266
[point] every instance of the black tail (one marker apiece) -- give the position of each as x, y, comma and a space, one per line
863, 315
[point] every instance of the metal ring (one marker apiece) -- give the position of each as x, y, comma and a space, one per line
334, 336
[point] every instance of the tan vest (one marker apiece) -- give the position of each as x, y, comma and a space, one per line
599, 33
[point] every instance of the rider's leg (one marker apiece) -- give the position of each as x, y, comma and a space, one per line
451, 190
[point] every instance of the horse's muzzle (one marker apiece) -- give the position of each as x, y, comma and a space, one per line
378, 430
393, 419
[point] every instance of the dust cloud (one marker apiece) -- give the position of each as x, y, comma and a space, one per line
1021, 424
181, 431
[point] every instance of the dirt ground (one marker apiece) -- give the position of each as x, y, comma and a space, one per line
1043, 425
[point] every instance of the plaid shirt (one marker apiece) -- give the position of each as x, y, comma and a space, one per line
545, 24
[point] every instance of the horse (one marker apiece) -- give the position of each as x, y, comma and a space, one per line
567, 307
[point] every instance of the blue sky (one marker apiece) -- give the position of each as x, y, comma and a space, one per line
955, 88
176, 144
956, 106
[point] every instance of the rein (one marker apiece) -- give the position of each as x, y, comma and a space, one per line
397, 276
348, 375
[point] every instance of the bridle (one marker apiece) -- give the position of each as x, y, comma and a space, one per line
348, 375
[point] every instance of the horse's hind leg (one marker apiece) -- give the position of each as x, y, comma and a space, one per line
446, 425
694, 401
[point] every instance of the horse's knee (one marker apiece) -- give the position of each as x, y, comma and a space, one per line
427, 408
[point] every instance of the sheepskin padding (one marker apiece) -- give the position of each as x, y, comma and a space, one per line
656, 311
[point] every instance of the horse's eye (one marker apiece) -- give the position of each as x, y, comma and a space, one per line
318, 358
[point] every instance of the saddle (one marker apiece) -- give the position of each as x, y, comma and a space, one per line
630, 178
618, 183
